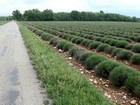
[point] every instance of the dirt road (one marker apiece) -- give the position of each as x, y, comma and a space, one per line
18, 83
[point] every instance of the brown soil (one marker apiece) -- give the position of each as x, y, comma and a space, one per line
126, 62
118, 95
137, 67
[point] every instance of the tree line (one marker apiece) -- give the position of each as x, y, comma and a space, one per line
49, 15
6, 18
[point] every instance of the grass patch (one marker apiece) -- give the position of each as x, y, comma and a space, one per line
136, 48
3, 22
105, 67
84, 57
109, 49
121, 44
102, 47
119, 75
124, 54
132, 83
135, 59
65, 86
92, 61
94, 45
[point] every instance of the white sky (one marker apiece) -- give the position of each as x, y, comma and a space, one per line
126, 7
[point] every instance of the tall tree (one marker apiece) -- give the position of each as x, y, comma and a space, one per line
32, 15
101, 11
62, 16
47, 15
17, 15
134, 19
75, 15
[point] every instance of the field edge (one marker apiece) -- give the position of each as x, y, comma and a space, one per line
63, 87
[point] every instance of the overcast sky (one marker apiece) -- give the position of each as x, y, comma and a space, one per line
126, 7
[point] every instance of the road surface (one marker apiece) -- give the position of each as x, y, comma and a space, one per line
18, 83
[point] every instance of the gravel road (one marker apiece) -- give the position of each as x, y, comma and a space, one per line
18, 83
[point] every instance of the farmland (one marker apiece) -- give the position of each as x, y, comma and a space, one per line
110, 49
63, 83
3, 22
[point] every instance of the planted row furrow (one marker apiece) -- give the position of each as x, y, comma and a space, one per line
101, 34
64, 85
119, 74
97, 34
112, 42
91, 35
112, 51
126, 34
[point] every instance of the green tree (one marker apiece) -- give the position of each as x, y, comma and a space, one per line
47, 15
32, 15
17, 15
84, 16
75, 15
62, 16
134, 19
101, 11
